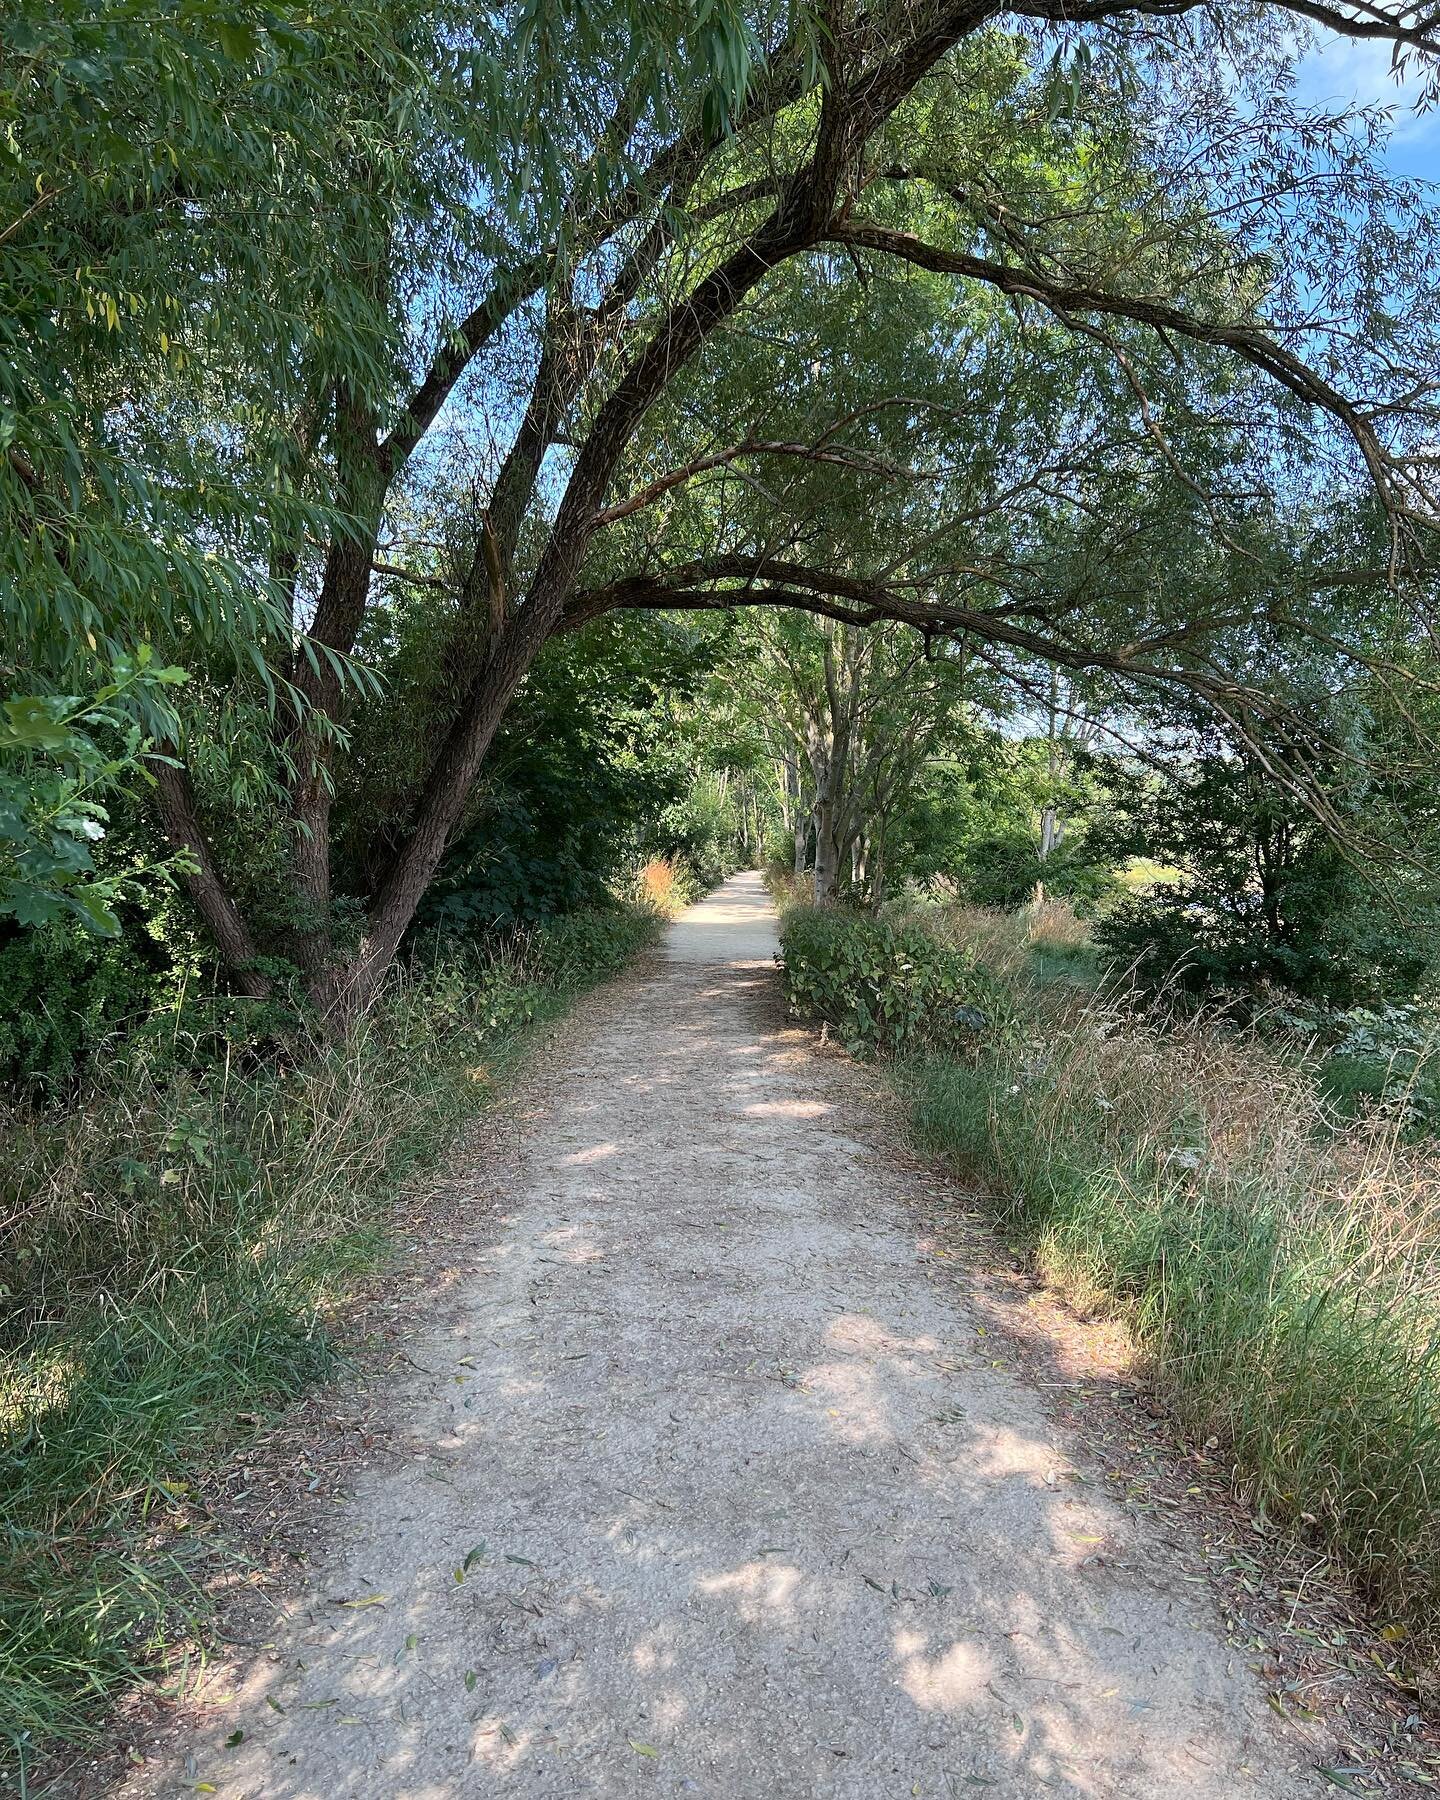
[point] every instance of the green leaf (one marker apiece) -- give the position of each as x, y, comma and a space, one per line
94, 912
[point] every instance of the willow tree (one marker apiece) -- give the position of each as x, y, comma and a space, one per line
1219, 303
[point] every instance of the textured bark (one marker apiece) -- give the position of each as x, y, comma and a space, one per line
827, 851
339, 613
175, 799
451, 780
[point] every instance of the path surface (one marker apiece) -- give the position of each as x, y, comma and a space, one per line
742, 1519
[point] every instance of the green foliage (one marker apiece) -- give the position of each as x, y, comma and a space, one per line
1268, 900
578, 786
151, 518
56, 770
67, 995
176, 1248
592, 944
973, 820
886, 989
700, 829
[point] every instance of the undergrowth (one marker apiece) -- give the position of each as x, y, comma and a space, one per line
174, 1245
1275, 1259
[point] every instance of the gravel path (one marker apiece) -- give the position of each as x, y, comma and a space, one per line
705, 1493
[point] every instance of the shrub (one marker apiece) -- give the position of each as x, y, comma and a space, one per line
592, 944
66, 993
885, 988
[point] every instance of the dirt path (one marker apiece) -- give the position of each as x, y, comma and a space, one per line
736, 1513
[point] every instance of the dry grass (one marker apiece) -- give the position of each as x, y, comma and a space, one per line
787, 889
173, 1244
1007, 943
665, 887
1279, 1263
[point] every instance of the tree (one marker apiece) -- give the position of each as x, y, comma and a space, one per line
860, 711
1179, 266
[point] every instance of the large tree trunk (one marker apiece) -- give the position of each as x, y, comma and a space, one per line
447, 791
792, 807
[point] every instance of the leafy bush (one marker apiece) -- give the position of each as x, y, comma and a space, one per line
1264, 899
701, 829
1375, 1057
67, 993
1332, 945
592, 944
885, 988
63, 991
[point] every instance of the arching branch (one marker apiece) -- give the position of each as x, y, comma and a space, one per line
1406, 502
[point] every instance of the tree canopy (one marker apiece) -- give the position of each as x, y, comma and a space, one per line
353, 356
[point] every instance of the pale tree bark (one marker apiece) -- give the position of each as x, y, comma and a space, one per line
797, 813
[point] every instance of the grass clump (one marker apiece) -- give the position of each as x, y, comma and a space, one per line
174, 1244
667, 885
1277, 1261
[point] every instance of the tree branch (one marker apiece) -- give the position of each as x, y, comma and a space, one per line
175, 799
1393, 483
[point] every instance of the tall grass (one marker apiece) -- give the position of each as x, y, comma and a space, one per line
172, 1248
1278, 1262
1281, 1270
666, 885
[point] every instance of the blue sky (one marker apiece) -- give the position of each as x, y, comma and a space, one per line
1342, 69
